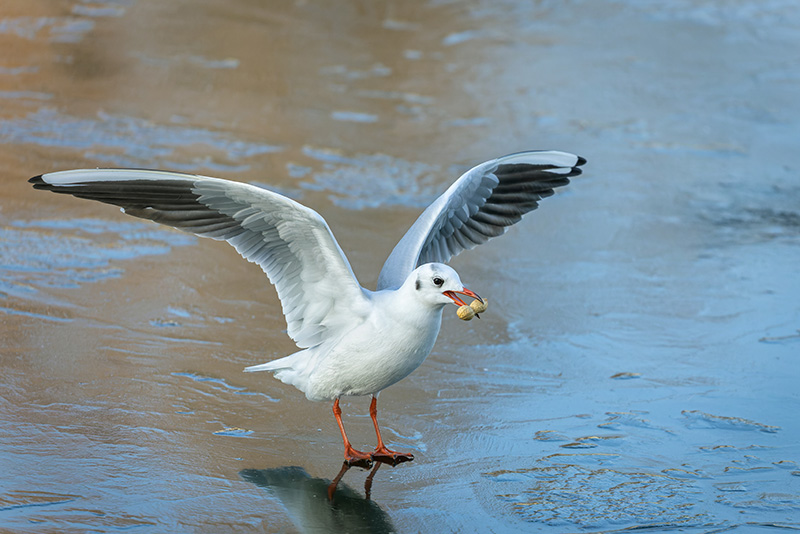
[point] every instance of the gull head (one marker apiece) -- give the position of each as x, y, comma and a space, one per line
436, 284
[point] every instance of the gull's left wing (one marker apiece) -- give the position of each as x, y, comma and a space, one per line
480, 205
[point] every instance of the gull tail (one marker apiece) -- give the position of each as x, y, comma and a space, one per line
293, 369
275, 365
296, 362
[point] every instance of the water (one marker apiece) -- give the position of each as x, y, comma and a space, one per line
638, 365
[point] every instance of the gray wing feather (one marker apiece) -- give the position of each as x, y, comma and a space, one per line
290, 242
480, 205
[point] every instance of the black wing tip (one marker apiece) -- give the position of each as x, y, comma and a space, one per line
581, 161
39, 183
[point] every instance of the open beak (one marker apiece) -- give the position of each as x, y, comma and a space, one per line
452, 295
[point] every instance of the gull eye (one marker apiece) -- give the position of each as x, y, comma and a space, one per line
437, 281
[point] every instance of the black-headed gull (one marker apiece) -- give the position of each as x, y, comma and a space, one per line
353, 341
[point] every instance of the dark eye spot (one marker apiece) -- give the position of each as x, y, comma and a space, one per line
437, 281
417, 284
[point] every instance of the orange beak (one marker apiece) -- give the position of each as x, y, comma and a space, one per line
452, 295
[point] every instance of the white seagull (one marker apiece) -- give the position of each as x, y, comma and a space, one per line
352, 341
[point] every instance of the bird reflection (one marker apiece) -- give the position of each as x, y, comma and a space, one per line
346, 467
319, 505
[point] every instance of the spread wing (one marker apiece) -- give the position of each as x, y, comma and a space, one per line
292, 243
480, 205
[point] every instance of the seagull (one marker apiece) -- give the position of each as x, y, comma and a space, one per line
352, 341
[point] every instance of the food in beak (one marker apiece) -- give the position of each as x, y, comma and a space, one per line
479, 306
465, 313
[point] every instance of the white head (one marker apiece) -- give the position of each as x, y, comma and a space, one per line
437, 284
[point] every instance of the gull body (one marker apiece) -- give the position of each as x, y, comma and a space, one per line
352, 341
390, 335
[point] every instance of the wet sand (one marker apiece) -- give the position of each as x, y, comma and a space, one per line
637, 368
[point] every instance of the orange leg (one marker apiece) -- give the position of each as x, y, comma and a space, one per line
381, 453
351, 455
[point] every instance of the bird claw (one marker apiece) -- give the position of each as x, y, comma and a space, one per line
385, 456
363, 463
354, 458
